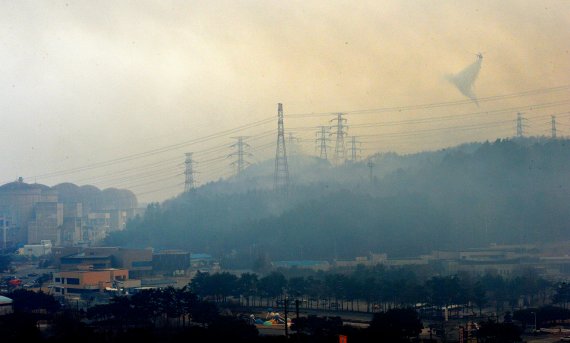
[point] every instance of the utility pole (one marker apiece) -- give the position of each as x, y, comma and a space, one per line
354, 150
281, 175
370, 167
190, 182
340, 132
553, 127
240, 163
322, 142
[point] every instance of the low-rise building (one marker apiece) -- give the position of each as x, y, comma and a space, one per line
171, 262
409, 261
359, 260
303, 264
557, 267
84, 261
137, 261
201, 261
90, 281
37, 250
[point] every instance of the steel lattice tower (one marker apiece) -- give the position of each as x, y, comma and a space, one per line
553, 127
322, 142
292, 141
354, 149
292, 138
189, 183
370, 166
240, 163
519, 125
339, 149
281, 175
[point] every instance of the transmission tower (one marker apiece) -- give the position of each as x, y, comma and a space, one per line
520, 124
322, 142
292, 140
240, 146
281, 175
340, 132
355, 149
553, 127
190, 182
370, 167
291, 137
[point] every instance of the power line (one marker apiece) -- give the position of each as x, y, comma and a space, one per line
456, 116
123, 174
167, 162
129, 181
438, 104
420, 132
175, 146
145, 175
153, 151
161, 189
162, 163
119, 175
460, 127
168, 177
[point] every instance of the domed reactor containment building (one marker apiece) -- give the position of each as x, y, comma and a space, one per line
65, 214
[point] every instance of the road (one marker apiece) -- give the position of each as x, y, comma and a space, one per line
545, 339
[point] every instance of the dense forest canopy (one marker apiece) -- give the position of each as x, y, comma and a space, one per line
506, 192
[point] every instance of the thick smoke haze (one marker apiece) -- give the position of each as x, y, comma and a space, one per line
86, 82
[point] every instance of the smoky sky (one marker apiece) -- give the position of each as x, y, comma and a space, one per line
84, 81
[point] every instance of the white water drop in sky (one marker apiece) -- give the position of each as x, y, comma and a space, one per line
465, 79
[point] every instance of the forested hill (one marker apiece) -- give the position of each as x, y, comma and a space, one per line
509, 191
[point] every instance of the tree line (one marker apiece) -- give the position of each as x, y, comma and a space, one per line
177, 315
377, 288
